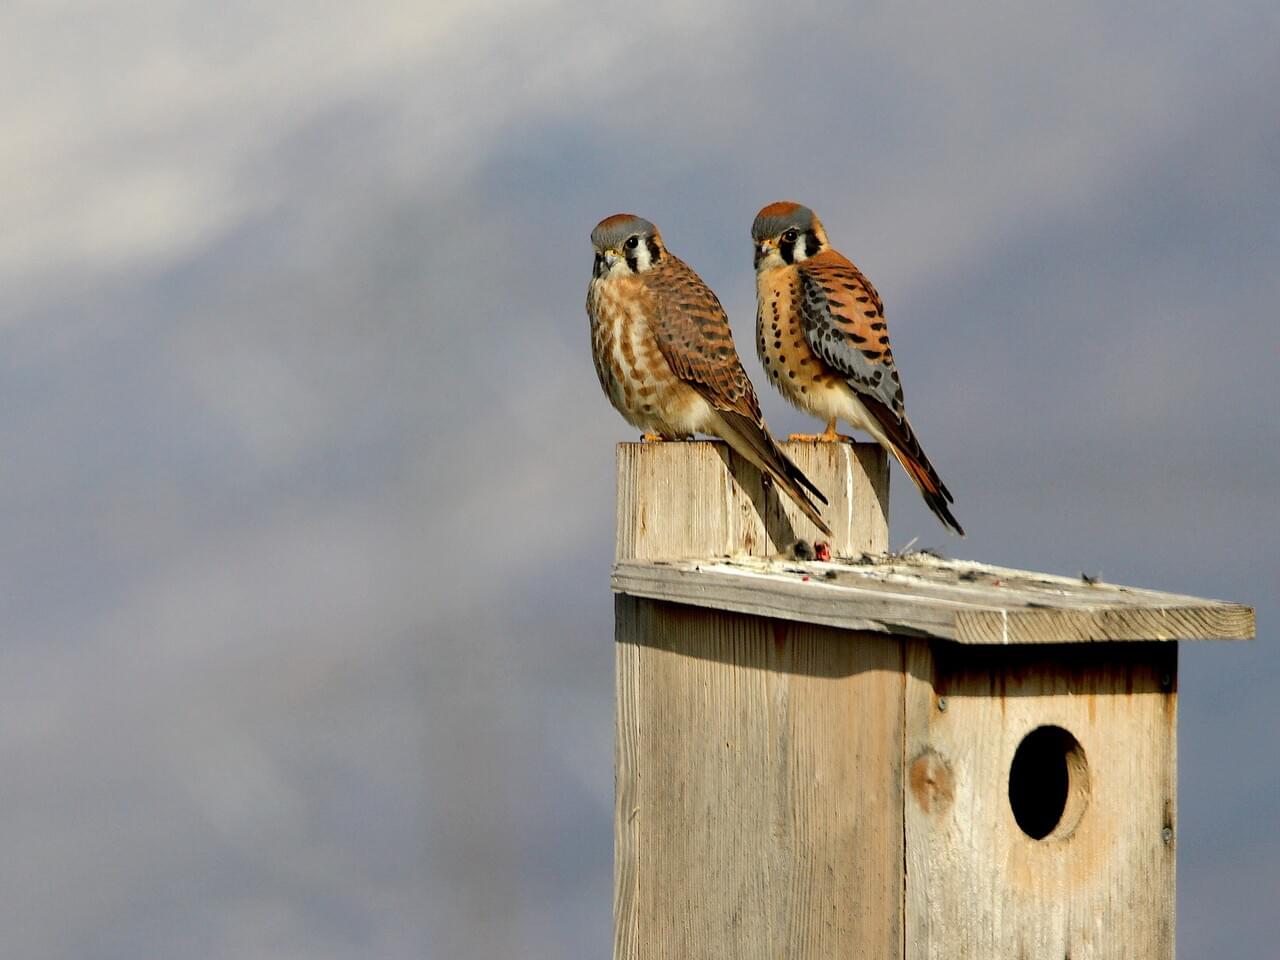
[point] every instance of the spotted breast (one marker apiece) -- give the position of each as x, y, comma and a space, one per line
633, 372
788, 360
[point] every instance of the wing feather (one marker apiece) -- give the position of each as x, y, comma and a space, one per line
694, 336
693, 333
844, 324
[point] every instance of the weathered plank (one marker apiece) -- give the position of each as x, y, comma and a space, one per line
626, 831
1099, 886
710, 586
759, 788
699, 499
950, 600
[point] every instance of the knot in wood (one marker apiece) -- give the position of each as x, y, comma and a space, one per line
932, 782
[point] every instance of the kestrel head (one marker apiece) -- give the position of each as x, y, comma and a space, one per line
625, 243
784, 233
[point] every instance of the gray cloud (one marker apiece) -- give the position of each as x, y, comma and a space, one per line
306, 516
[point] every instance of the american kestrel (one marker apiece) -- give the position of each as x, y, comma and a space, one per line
665, 357
821, 335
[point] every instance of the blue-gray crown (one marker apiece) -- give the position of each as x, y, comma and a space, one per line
612, 231
777, 217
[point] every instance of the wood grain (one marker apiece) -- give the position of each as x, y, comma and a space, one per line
699, 499
948, 600
760, 807
977, 886
626, 831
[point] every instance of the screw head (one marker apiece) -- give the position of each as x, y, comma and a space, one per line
1166, 834
942, 704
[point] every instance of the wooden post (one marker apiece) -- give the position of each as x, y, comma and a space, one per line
910, 758
711, 707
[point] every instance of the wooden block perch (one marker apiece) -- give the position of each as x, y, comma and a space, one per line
700, 499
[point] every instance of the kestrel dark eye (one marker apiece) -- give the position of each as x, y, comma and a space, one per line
633, 242
791, 236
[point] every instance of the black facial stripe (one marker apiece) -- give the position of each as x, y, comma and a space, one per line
598, 267
810, 243
787, 251
633, 264
654, 252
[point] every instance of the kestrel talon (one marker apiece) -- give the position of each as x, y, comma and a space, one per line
665, 356
821, 335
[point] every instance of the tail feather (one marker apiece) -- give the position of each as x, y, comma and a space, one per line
895, 435
925, 477
752, 441
798, 476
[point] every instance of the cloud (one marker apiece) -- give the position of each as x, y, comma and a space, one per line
306, 515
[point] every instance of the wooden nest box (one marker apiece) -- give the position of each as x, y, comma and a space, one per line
900, 757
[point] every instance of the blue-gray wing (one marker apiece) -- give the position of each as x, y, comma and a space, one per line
843, 321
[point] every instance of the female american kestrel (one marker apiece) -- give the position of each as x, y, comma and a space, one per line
821, 335
664, 353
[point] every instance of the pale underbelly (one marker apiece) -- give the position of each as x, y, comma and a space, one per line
796, 374
671, 408
640, 383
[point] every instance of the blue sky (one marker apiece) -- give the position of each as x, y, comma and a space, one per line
306, 511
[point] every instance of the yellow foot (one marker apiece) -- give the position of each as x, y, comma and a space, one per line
827, 436
651, 438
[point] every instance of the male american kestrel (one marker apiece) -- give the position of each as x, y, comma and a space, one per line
821, 335
664, 353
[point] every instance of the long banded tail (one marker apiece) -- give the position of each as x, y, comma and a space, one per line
752, 441
925, 477
896, 436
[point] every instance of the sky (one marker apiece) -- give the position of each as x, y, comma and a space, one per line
306, 498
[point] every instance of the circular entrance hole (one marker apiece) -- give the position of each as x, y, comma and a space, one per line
1048, 783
